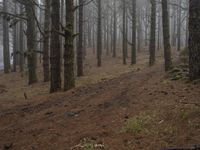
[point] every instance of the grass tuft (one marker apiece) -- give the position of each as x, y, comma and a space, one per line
137, 124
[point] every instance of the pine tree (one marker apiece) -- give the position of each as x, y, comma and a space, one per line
194, 36
152, 44
80, 41
124, 31
46, 42
69, 79
6, 47
166, 36
55, 47
133, 52
31, 42
99, 34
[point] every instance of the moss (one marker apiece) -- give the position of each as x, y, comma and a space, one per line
184, 115
88, 146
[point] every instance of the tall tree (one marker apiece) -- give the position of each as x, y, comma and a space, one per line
114, 30
55, 47
31, 41
6, 47
80, 41
194, 36
133, 52
21, 41
152, 44
69, 79
179, 25
159, 28
46, 43
139, 31
15, 42
166, 36
124, 31
99, 34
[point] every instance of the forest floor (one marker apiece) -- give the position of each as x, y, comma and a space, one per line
115, 107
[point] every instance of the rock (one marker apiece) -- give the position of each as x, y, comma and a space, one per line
8, 146
126, 117
49, 113
71, 114
107, 104
164, 92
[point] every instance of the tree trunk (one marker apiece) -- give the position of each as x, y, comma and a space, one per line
114, 30
194, 36
21, 42
159, 28
152, 44
174, 36
46, 40
69, 79
107, 35
6, 47
110, 33
99, 35
139, 32
124, 31
15, 43
166, 36
55, 47
179, 27
133, 52
31, 43
80, 41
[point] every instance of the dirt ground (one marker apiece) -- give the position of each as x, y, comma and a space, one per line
115, 107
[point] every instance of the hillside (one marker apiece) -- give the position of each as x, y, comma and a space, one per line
139, 109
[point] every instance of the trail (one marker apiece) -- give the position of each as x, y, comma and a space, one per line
98, 112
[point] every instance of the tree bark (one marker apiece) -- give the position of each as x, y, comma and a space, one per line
152, 44
6, 47
166, 36
21, 42
15, 43
80, 41
55, 47
133, 52
31, 43
179, 27
99, 34
124, 31
69, 79
46, 42
114, 30
194, 36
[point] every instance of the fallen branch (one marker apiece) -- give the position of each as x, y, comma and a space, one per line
190, 103
195, 147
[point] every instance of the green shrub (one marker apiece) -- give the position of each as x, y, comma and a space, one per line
136, 124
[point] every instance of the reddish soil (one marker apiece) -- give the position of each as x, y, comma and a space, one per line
97, 113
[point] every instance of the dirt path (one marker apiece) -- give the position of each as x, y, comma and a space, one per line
97, 114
